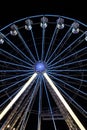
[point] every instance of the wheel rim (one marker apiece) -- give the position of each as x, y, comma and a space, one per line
51, 43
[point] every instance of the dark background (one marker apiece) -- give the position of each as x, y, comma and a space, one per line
11, 11
16, 9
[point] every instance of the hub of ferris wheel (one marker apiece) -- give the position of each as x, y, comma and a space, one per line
40, 67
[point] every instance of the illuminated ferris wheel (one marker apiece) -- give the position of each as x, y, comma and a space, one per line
43, 73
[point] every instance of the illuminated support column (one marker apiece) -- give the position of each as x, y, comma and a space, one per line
8, 107
66, 116
75, 118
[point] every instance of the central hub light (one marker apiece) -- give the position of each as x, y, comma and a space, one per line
40, 67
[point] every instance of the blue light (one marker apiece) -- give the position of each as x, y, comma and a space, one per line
40, 67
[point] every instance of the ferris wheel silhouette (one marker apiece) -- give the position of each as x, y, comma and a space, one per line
43, 58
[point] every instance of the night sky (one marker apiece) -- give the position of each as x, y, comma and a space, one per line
15, 10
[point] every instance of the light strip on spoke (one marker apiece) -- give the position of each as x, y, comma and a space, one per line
75, 118
8, 107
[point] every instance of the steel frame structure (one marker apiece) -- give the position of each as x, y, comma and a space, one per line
53, 61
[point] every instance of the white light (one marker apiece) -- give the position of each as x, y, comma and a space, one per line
8, 107
13, 31
8, 126
60, 23
75, 31
86, 36
28, 24
60, 26
28, 27
43, 25
75, 28
44, 22
1, 41
75, 118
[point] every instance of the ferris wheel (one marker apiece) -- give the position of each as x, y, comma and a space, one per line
43, 73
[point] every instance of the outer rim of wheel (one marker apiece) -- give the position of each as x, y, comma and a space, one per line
49, 15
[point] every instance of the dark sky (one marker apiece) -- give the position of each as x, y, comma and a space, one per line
19, 9
15, 9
